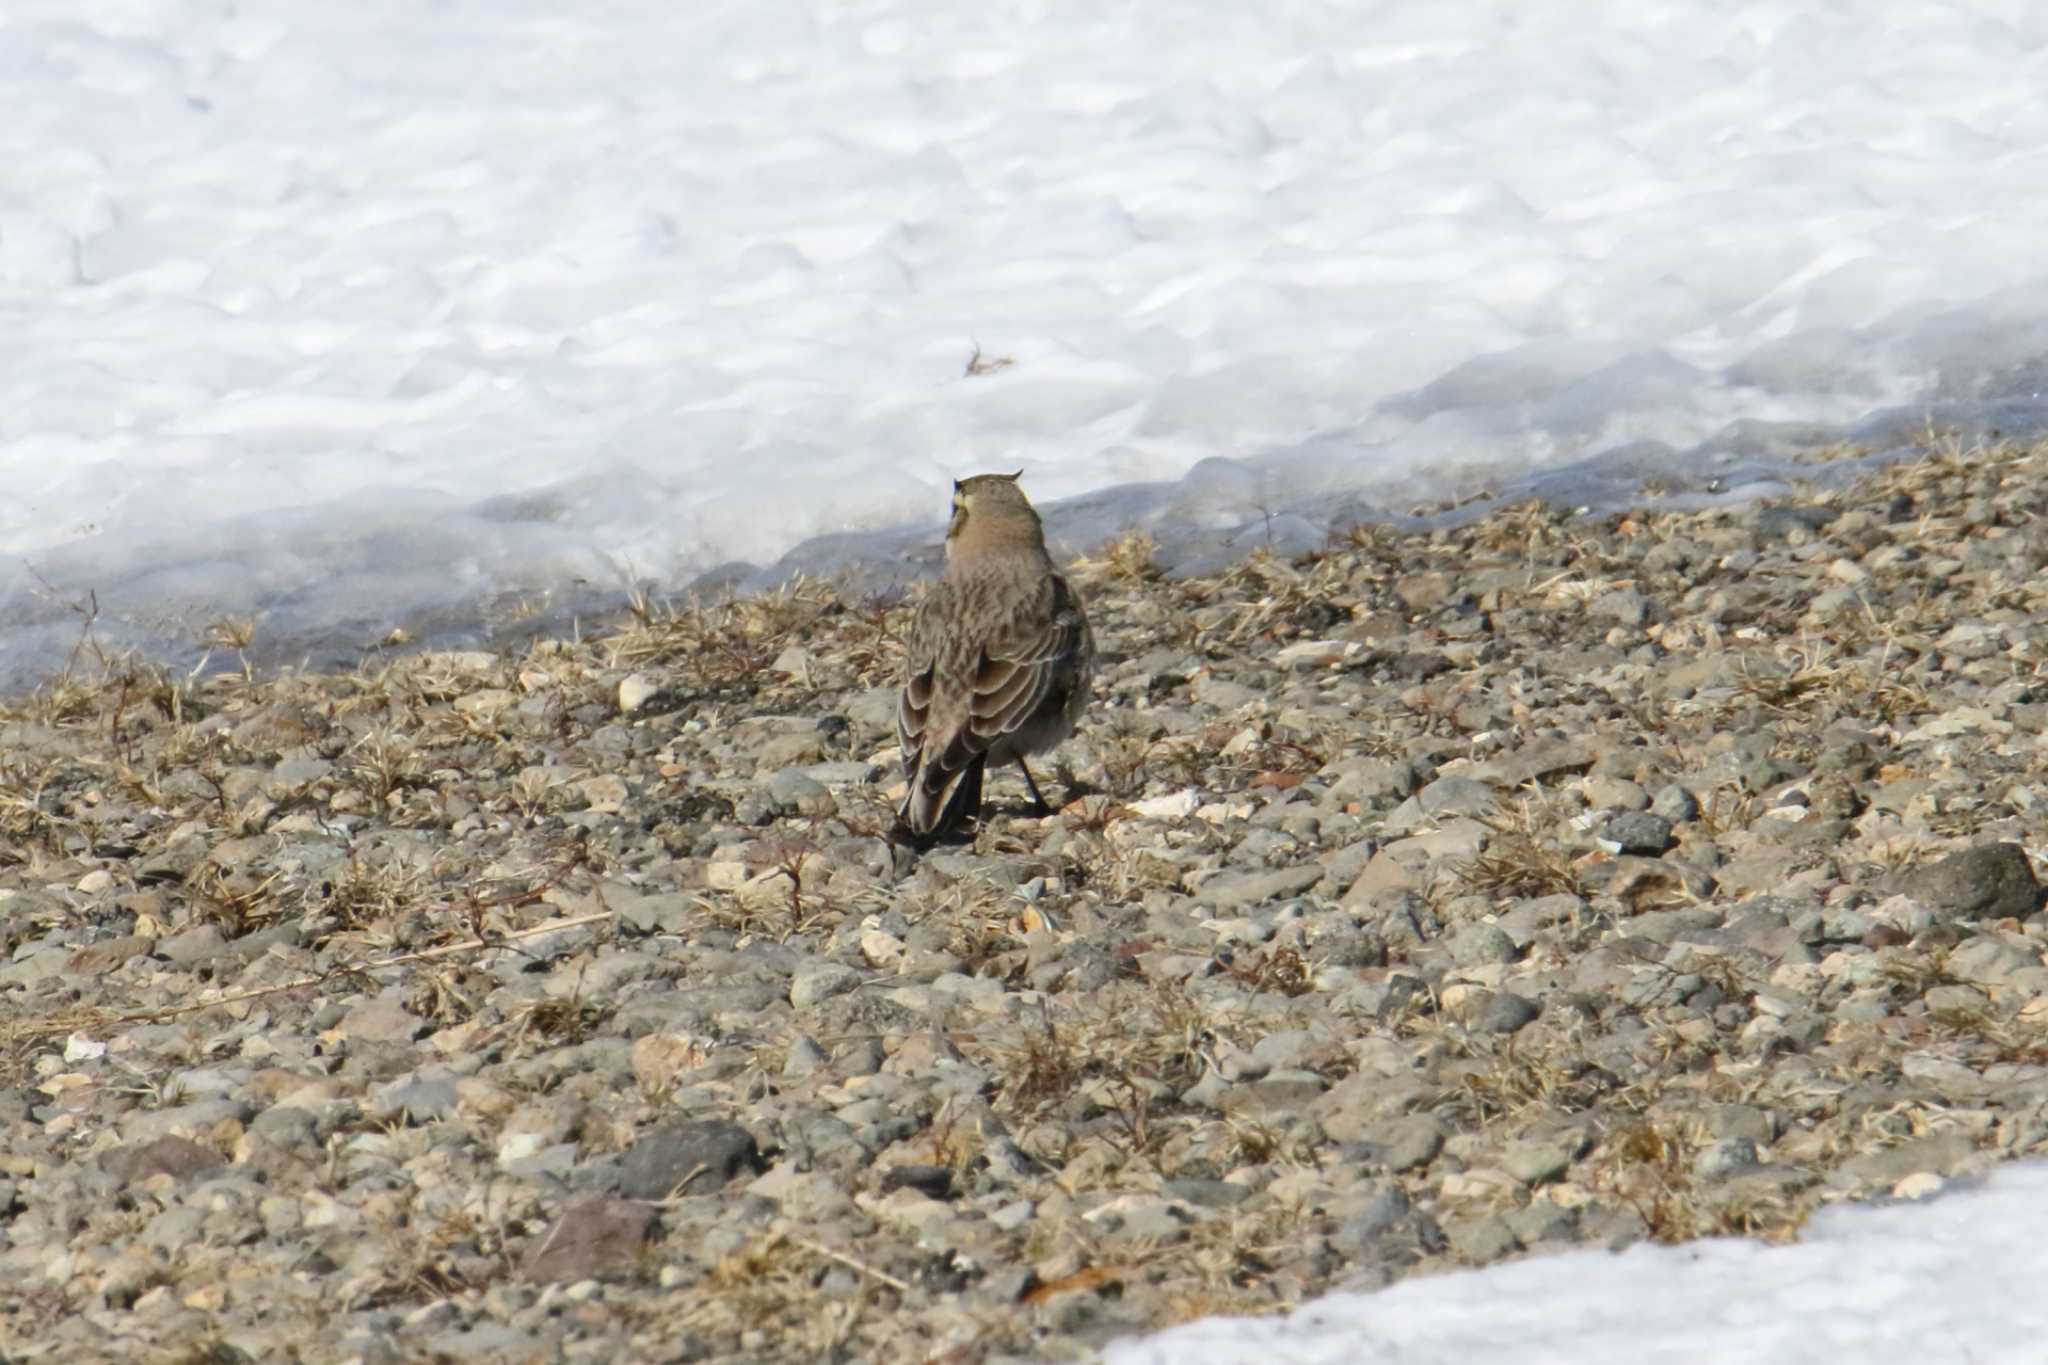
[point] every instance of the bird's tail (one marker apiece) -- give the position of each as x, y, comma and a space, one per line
939, 799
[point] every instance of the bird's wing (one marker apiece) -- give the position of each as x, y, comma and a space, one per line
1020, 667
1000, 683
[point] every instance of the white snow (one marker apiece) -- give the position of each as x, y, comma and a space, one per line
341, 316
1953, 1281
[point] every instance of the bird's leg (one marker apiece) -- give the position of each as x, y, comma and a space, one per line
1037, 799
970, 794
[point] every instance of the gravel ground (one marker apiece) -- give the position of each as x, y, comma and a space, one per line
1432, 901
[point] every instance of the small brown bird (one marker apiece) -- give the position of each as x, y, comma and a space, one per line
999, 658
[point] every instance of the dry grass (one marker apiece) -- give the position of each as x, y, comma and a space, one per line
1648, 1167
1125, 1055
1516, 861
1125, 561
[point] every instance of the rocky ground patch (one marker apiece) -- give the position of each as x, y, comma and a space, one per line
1439, 899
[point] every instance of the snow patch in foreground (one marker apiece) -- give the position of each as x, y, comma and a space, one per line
1954, 1279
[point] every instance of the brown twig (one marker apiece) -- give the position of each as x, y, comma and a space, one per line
851, 1263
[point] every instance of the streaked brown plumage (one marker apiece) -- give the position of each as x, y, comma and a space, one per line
999, 658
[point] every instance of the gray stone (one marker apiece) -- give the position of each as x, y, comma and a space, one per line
1387, 1207
415, 1099
1479, 944
1446, 796
1988, 960
1405, 1143
1481, 1240
185, 1120
1242, 890
1207, 1194
821, 982
1941, 1153
1538, 1161
687, 1158
804, 1058
1527, 919
1369, 781
843, 774
1624, 605
1506, 1012
1675, 804
1288, 1049
177, 1157
1725, 1157
1741, 1121
792, 792
590, 1237
1990, 881
195, 947
1639, 832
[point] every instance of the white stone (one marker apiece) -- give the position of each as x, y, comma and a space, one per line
634, 690
1176, 806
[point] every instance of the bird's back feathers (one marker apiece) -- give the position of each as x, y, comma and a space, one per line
997, 669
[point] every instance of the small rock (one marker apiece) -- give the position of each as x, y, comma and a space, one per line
1479, 943
1639, 832
194, 947
382, 1019
1990, 881
590, 1237
1307, 654
1506, 1013
1537, 1161
1177, 806
170, 1155
96, 959
415, 1099
821, 982
1675, 804
792, 792
1741, 1121
1408, 1142
687, 1158
1988, 960
1482, 1240
605, 794
1387, 1207
804, 1058
1725, 1157
636, 690
1241, 890
1626, 606
1941, 1153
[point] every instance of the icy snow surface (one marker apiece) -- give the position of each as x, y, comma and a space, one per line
349, 316
1955, 1281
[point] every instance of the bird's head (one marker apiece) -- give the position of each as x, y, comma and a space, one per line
990, 511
